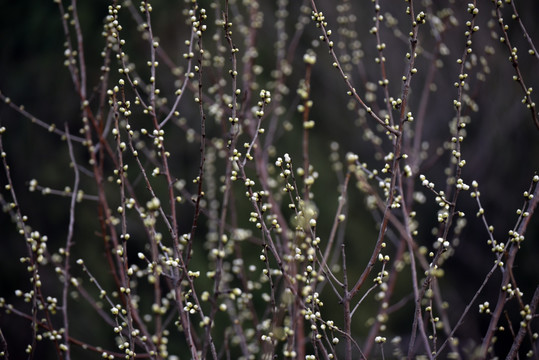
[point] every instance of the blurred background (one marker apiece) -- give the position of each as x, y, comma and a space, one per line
501, 147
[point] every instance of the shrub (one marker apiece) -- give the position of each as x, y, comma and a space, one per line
259, 179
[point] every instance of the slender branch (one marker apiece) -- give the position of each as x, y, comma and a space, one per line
69, 242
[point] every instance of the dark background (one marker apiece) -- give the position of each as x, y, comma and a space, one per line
501, 149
